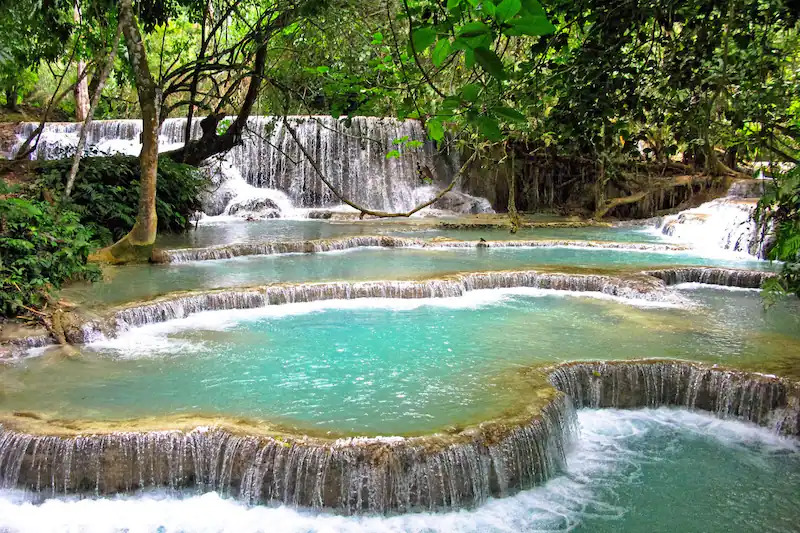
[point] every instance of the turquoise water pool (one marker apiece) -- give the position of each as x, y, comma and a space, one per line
388, 366
124, 284
283, 230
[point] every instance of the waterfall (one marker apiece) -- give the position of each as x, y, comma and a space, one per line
347, 475
729, 277
352, 154
229, 251
638, 287
722, 224
764, 400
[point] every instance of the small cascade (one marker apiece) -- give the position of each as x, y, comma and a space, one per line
645, 288
376, 475
729, 277
286, 247
276, 247
351, 153
721, 224
764, 400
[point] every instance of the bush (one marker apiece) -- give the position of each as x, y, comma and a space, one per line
780, 209
41, 247
106, 193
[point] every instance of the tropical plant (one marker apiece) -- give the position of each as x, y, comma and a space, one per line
779, 209
41, 247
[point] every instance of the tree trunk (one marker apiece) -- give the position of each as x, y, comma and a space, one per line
138, 244
81, 90
513, 214
12, 93
81, 93
99, 83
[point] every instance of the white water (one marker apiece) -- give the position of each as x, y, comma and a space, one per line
270, 165
607, 457
724, 224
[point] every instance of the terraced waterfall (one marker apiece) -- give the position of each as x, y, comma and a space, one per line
277, 367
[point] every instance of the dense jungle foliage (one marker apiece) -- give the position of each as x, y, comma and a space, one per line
107, 190
45, 239
41, 247
634, 90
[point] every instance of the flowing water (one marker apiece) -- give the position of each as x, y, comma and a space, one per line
381, 364
351, 154
635, 471
124, 284
387, 366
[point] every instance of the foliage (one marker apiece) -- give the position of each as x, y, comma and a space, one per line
780, 208
107, 190
29, 33
41, 247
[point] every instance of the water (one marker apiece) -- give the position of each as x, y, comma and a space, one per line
225, 231
388, 366
124, 284
721, 224
352, 156
633, 471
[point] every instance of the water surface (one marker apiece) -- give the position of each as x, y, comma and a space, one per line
139, 282
383, 366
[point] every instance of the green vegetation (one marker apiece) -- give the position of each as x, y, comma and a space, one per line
780, 209
107, 191
589, 104
41, 247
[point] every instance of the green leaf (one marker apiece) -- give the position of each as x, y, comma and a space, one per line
423, 38
452, 5
393, 154
507, 9
474, 29
435, 129
533, 25
509, 113
450, 103
469, 58
470, 92
533, 7
489, 127
441, 51
377, 38
489, 61
321, 70
489, 7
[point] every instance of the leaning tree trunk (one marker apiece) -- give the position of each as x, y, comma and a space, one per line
99, 83
138, 244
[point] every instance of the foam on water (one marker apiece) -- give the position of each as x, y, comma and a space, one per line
703, 286
617, 449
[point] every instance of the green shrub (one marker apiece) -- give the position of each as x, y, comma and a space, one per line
41, 247
780, 209
106, 193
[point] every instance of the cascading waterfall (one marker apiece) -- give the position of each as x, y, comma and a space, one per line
722, 224
229, 251
347, 475
729, 277
764, 400
352, 154
639, 287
